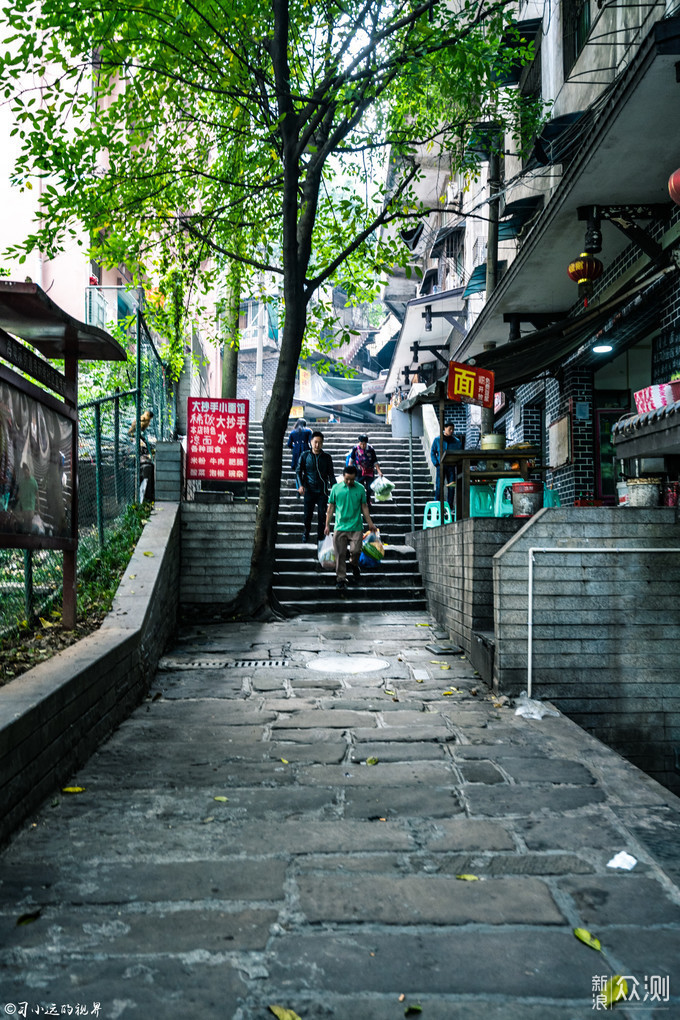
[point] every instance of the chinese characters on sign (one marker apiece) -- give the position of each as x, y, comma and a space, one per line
470, 385
217, 440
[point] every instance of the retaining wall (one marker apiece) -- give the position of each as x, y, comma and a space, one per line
217, 545
54, 716
605, 627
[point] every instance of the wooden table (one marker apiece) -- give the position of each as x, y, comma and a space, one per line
462, 461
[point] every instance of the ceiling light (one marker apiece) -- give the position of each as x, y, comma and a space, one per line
602, 348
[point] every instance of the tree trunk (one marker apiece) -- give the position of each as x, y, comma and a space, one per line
255, 598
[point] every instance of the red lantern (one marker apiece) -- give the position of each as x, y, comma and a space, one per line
674, 187
584, 271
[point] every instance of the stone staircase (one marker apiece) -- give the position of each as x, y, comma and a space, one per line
300, 584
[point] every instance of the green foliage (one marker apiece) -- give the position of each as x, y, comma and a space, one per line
250, 135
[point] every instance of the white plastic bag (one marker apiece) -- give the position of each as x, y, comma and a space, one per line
531, 709
327, 553
382, 488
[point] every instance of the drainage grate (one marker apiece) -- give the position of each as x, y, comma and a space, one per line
221, 663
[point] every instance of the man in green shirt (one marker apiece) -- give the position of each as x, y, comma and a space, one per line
348, 501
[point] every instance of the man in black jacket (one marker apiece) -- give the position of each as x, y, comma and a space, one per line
315, 479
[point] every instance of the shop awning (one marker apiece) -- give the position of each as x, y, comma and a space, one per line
448, 302
27, 312
621, 321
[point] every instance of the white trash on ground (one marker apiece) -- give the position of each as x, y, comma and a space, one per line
529, 708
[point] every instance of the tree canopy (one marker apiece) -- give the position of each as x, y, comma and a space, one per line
191, 136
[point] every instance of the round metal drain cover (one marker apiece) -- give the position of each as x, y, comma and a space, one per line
347, 664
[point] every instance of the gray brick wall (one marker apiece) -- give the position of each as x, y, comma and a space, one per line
605, 627
217, 543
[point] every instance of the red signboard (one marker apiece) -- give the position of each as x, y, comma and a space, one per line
470, 385
217, 440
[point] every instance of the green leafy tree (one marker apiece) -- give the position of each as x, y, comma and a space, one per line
250, 133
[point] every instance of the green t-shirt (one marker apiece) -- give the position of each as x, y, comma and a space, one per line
347, 500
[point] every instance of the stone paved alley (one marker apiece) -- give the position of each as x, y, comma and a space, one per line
233, 849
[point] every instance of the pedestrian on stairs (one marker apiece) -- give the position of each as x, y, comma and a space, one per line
365, 460
298, 441
348, 502
315, 479
451, 442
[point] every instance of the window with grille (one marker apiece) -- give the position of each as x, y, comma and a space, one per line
575, 30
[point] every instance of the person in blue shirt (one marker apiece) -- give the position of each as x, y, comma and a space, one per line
299, 440
451, 442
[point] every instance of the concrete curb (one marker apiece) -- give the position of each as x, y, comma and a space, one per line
54, 716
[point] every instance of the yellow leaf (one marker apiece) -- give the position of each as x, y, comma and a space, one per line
73, 789
210, 818
284, 1014
391, 693
372, 761
445, 666
615, 989
468, 878
420, 681
147, 553
422, 625
437, 662
445, 694
587, 938
222, 800
132, 576
285, 761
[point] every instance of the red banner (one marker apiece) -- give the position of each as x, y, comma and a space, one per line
470, 385
217, 439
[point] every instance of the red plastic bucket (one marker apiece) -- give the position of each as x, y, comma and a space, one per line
527, 498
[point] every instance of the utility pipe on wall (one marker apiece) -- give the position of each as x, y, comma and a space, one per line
570, 549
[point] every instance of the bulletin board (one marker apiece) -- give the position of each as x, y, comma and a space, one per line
559, 442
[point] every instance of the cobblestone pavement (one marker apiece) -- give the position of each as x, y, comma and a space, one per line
260, 833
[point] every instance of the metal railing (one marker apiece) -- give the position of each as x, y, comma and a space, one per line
115, 463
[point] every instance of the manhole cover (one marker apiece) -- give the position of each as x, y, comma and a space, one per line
347, 664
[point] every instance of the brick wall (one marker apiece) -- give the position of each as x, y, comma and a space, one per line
217, 544
455, 563
57, 714
605, 627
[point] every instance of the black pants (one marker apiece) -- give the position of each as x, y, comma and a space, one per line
366, 482
315, 499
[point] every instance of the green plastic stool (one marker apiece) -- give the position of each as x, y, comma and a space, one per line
481, 501
432, 518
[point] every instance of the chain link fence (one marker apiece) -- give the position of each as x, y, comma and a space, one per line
115, 469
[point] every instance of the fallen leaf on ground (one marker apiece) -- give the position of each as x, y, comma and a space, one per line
420, 681
468, 878
584, 936
445, 694
28, 918
132, 576
285, 761
423, 625
73, 789
222, 800
413, 1010
445, 666
391, 693
210, 818
372, 761
284, 1014
615, 989
147, 553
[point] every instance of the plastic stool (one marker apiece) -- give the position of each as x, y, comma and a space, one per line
481, 501
502, 504
431, 518
551, 497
